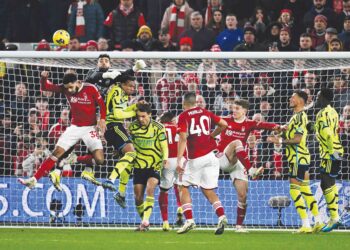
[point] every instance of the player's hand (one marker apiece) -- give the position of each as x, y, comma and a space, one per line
336, 156
165, 164
102, 125
111, 74
179, 169
139, 64
45, 74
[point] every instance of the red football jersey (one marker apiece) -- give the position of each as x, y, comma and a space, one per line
83, 105
173, 138
240, 131
169, 91
197, 122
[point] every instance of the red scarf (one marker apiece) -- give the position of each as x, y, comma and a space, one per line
80, 20
177, 21
209, 13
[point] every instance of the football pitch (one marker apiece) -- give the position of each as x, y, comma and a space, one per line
26, 238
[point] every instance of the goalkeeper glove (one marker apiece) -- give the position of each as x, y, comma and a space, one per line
336, 156
139, 64
111, 74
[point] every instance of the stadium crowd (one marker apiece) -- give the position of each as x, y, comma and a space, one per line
30, 115
180, 25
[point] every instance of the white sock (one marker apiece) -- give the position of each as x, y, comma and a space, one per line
318, 219
88, 169
306, 222
58, 171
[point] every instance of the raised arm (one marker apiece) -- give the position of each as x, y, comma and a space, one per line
46, 85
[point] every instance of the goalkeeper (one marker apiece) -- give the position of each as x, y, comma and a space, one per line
116, 135
331, 151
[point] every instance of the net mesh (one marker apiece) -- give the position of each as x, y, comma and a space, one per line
32, 120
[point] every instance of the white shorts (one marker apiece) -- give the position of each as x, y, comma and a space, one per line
202, 172
74, 134
236, 171
169, 175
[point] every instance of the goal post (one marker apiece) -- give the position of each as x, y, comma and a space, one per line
266, 79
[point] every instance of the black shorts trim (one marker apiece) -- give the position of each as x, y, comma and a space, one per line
141, 175
117, 136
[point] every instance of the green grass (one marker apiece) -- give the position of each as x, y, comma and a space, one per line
70, 239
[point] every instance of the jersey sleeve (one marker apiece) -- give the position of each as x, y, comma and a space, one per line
265, 125
100, 102
214, 117
182, 124
163, 143
47, 85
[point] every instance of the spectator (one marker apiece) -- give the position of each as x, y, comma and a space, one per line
319, 30
330, 34
128, 45
231, 36
345, 13
344, 116
91, 45
144, 38
124, 22
169, 89
200, 102
102, 44
345, 139
305, 42
286, 19
211, 91
335, 45
249, 42
42, 105
202, 37
319, 8
186, 44
341, 91
163, 43
259, 21
34, 159
177, 19
74, 44
21, 102
85, 20
43, 45
58, 128
213, 5
285, 41
272, 34
192, 82
216, 23
345, 35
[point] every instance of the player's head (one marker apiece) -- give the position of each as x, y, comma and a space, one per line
324, 97
71, 82
189, 100
167, 117
144, 112
240, 108
127, 83
298, 99
103, 62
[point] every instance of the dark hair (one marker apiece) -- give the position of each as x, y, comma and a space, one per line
305, 35
166, 117
302, 95
41, 99
103, 56
190, 97
69, 78
144, 107
243, 103
125, 77
327, 94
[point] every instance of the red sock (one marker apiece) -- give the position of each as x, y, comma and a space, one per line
187, 211
243, 157
163, 204
219, 209
241, 210
277, 158
85, 159
177, 194
45, 168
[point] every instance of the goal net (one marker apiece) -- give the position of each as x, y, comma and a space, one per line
32, 120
